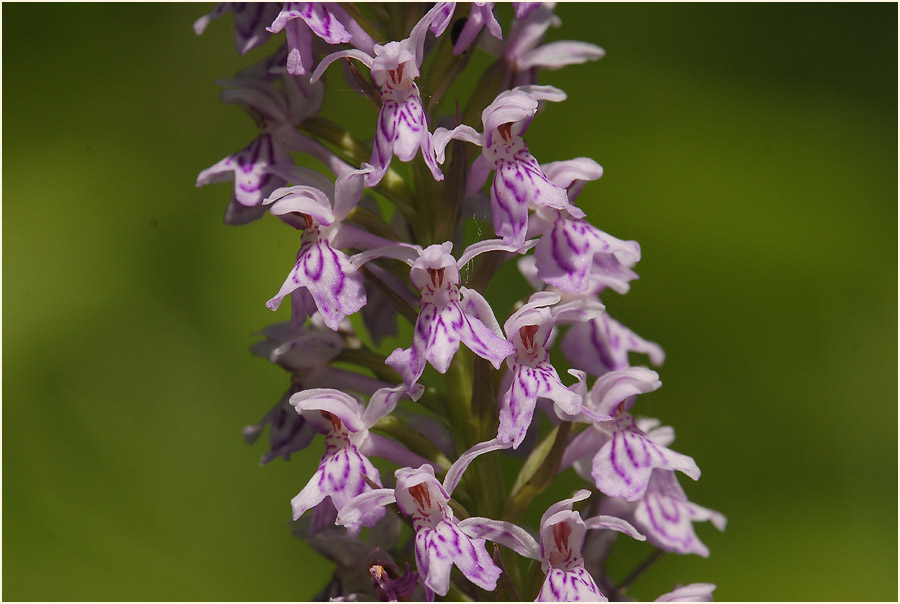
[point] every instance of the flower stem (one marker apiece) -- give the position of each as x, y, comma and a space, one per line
637, 572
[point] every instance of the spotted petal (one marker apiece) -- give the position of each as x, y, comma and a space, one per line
575, 585
622, 466
666, 517
518, 402
341, 476
602, 345
401, 130
251, 169
518, 183
566, 255
439, 548
436, 339
328, 276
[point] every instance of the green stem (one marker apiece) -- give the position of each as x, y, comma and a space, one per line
414, 441
372, 222
458, 386
637, 572
538, 472
371, 360
355, 152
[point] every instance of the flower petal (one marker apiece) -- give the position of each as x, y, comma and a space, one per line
566, 255
602, 345
328, 275
576, 585
338, 403
622, 467
363, 506
454, 474
518, 402
692, 592
613, 524
439, 548
559, 54
342, 476
666, 517
616, 387
505, 533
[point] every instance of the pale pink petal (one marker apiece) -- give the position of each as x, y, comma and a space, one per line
576, 585
439, 548
454, 474
363, 506
603, 344
622, 467
559, 54
693, 592
342, 476
328, 276
666, 516
613, 524
617, 387
505, 533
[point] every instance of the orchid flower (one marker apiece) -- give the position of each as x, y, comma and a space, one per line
531, 375
265, 164
402, 127
327, 20
523, 54
519, 182
602, 345
345, 466
449, 314
322, 272
623, 451
306, 353
665, 515
571, 251
562, 533
440, 543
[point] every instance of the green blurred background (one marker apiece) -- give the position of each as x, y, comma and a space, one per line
750, 149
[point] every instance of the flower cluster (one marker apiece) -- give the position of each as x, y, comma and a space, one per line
382, 239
